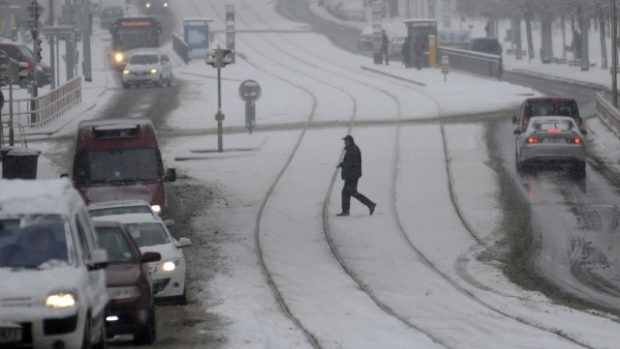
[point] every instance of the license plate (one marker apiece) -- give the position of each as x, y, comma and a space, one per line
555, 140
10, 335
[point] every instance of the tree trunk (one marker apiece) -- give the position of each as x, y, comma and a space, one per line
516, 36
528, 30
563, 24
546, 50
584, 26
602, 25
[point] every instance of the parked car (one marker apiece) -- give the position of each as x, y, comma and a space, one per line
151, 235
485, 45
119, 159
109, 14
110, 208
551, 140
131, 305
542, 106
22, 53
53, 287
147, 67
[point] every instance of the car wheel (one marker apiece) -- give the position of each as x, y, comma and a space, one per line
86, 334
580, 170
148, 333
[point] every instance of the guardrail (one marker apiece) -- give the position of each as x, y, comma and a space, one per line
473, 62
46, 107
180, 47
606, 112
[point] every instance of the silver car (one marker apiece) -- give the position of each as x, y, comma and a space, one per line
551, 140
147, 67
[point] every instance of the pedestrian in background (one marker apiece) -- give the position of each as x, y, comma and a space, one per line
404, 52
351, 171
385, 43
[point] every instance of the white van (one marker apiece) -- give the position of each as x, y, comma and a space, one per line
53, 290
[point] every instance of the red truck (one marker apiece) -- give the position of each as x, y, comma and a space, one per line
119, 159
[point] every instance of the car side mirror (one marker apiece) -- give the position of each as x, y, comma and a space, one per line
98, 259
150, 257
171, 175
184, 242
516, 131
514, 120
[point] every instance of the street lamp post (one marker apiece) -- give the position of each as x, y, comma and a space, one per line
614, 55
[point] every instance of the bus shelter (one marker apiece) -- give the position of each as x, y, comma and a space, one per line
422, 33
196, 36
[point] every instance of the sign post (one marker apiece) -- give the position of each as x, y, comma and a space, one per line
250, 91
377, 14
218, 59
196, 35
445, 67
230, 28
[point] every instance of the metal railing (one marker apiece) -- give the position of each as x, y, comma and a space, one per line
606, 112
46, 107
473, 62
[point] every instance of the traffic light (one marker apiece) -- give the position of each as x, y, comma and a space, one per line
38, 55
23, 74
4, 68
219, 57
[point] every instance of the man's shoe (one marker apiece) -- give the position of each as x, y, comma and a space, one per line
342, 214
371, 208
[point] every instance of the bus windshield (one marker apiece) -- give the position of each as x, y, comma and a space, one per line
118, 165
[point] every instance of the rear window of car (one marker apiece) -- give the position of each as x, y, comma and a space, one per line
548, 125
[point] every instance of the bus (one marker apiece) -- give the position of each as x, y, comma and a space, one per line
130, 33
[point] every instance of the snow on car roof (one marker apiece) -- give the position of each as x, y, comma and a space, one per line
53, 196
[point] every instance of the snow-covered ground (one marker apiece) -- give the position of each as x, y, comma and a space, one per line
408, 276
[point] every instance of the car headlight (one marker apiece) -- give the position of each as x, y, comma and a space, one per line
119, 57
123, 292
126, 72
167, 266
156, 208
153, 71
60, 300
148, 5
165, 4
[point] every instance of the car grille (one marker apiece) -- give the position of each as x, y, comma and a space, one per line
140, 73
159, 285
59, 326
15, 302
26, 338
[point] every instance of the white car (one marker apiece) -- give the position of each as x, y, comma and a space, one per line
147, 67
109, 208
53, 289
151, 235
551, 140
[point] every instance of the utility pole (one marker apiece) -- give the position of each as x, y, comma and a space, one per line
614, 55
35, 11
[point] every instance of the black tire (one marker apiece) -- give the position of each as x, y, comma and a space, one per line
147, 334
86, 335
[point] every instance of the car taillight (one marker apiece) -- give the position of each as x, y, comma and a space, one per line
577, 140
533, 140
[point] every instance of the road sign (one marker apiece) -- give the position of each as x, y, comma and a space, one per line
249, 91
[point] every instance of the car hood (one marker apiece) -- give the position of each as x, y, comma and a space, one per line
167, 251
141, 67
100, 193
30, 287
122, 274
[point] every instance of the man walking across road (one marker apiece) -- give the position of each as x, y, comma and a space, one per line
351, 171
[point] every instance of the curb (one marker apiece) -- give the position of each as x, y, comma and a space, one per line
559, 79
377, 71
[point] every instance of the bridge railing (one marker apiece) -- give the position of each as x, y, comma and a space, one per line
473, 62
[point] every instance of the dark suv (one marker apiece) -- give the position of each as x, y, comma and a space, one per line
131, 305
486, 45
23, 53
547, 106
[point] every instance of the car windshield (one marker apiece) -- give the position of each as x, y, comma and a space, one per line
143, 59
110, 211
31, 241
120, 165
114, 242
148, 234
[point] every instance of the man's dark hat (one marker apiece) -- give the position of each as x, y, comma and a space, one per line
348, 138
